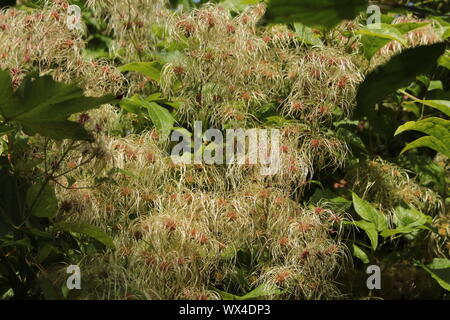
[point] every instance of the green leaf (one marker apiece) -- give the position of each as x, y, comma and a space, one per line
45, 249
360, 254
25, 242
441, 105
439, 269
328, 195
87, 230
433, 126
374, 39
438, 130
5, 129
306, 35
276, 120
261, 292
58, 130
42, 105
238, 5
133, 105
48, 289
258, 293
225, 295
397, 73
229, 252
435, 85
370, 229
326, 13
7, 98
11, 202
161, 117
429, 173
429, 142
408, 220
407, 216
402, 230
446, 33
444, 60
366, 211
406, 27
41, 201
156, 97
148, 69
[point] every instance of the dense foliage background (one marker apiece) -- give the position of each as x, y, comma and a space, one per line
86, 175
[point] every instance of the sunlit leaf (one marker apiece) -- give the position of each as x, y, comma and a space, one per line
360, 254
306, 35
370, 229
148, 69
369, 213
438, 130
441, 105
433, 126
374, 39
42, 106
88, 230
429, 142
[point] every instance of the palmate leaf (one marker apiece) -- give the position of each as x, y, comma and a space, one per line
397, 73
42, 106
326, 13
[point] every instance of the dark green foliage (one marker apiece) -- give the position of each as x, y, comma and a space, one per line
324, 13
32, 245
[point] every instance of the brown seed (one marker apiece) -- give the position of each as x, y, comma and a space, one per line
170, 225
282, 276
72, 164
283, 241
